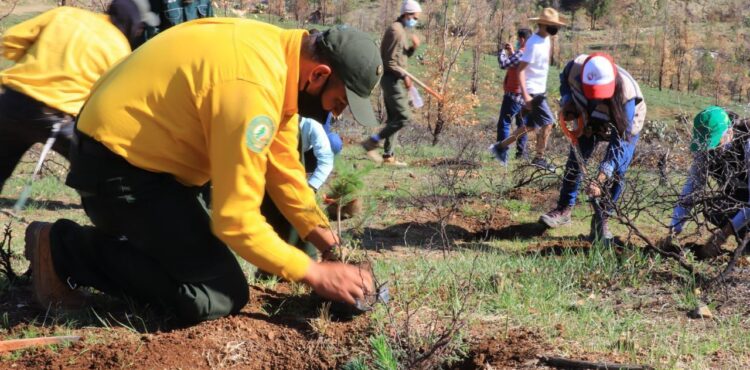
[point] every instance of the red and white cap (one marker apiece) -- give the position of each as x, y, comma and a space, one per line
598, 76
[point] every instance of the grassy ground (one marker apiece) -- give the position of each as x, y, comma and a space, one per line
586, 303
628, 305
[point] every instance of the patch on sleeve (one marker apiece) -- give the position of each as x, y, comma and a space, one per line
259, 133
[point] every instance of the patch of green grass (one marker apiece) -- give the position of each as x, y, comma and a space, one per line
576, 293
268, 282
516, 206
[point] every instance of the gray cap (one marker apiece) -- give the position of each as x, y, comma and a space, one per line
356, 60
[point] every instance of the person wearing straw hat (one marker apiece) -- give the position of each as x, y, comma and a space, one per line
721, 151
532, 74
395, 49
611, 107
222, 107
58, 57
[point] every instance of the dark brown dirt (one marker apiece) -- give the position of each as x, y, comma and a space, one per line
249, 340
420, 226
558, 247
447, 162
517, 349
539, 200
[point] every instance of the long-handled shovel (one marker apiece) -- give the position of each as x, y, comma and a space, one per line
42, 156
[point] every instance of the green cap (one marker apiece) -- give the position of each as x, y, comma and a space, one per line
708, 128
355, 59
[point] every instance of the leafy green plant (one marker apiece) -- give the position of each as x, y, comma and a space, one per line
383, 356
348, 181
356, 363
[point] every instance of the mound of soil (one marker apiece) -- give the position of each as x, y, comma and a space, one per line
249, 340
537, 198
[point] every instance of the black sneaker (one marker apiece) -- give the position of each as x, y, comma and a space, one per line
543, 164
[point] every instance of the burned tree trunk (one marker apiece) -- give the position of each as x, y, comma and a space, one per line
476, 58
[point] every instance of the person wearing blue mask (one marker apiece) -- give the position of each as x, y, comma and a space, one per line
395, 51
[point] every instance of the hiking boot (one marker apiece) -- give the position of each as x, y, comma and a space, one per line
600, 230
391, 161
543, 164
501, 156
371, 148
557, 217
48, 289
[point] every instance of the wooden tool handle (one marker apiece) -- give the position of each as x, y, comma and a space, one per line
16, 344
423, 85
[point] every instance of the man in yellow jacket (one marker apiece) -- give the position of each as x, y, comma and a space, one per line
217, 100
59, 55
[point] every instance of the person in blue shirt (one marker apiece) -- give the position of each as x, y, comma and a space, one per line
318, 147
318, 154
721, 151
613, 110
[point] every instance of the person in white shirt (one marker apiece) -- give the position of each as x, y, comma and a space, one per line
532, 75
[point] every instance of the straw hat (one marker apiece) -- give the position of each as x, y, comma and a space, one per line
549, 16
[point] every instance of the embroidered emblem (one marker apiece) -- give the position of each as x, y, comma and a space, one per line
259, 133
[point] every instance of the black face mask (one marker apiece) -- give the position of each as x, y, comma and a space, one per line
552, 30
311, 106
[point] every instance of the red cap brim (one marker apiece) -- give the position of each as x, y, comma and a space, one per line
599, 91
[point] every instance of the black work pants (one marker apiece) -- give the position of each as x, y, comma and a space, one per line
24, 122
151, 240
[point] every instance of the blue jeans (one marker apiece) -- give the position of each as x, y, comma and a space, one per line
619, 153
508, 110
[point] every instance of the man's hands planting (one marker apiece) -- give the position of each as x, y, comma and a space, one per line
339, 281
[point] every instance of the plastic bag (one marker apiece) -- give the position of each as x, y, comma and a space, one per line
416, 99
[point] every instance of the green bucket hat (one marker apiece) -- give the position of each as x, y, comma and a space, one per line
708, 128
355, 59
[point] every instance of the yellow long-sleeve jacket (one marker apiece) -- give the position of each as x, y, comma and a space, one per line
216, 99
60, 54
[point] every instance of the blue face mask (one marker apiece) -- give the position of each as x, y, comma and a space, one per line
518, 45
410, 23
